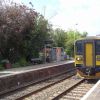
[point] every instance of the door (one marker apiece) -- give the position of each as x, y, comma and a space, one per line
89, 54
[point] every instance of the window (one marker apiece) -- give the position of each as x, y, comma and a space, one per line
79, 47
97, 47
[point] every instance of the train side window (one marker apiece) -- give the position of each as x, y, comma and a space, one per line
79, 47
97, 47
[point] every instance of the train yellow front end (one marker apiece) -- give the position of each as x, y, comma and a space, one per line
87, 57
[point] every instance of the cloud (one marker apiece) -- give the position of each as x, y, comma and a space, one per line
17, 1
83, 12
67, 13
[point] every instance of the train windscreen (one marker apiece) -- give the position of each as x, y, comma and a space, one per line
97, 47
79, 48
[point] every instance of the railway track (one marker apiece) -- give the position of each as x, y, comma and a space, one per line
76, 91
69, 89
24, 92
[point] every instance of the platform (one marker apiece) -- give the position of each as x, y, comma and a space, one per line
94, 93
11, 71
15, 78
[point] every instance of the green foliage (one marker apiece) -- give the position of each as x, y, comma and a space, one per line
24, 32
22, 61
37, 37
59, 38
66, 39
16, 65
16, 21
1, 67
73, 35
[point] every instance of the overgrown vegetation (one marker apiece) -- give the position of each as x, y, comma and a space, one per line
23, 33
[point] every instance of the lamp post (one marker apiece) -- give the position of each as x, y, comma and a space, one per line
75, 36
75, 32
45, 53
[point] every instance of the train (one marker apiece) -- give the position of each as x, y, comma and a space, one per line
87, 57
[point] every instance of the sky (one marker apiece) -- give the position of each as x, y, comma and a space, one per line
81, 15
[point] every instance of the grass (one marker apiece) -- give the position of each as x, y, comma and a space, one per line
1, 67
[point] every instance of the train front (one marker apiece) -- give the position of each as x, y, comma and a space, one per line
87, 58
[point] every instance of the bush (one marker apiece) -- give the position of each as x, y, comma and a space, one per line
15, 65
1, 67
23, 62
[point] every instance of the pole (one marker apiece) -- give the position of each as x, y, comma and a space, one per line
75, 37
45, 53
44, 11
75, 31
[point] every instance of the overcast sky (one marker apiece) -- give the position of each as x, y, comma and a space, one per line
83, 15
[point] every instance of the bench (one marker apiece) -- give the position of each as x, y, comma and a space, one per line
36, 60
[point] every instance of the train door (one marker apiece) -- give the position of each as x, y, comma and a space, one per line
89, 54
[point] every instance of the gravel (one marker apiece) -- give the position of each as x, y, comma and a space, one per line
54, 90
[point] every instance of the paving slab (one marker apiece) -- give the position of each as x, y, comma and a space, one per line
94, 93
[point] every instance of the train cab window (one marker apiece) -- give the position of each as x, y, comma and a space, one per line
79, 47
97, 47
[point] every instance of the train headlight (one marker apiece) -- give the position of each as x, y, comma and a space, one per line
98, 57
79, 58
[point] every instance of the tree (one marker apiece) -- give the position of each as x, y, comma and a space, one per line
24, 32
16, 21
59, 38
73, 35
38, 36
84, 34
66, 39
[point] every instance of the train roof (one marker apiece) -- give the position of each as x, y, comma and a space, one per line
90, 38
